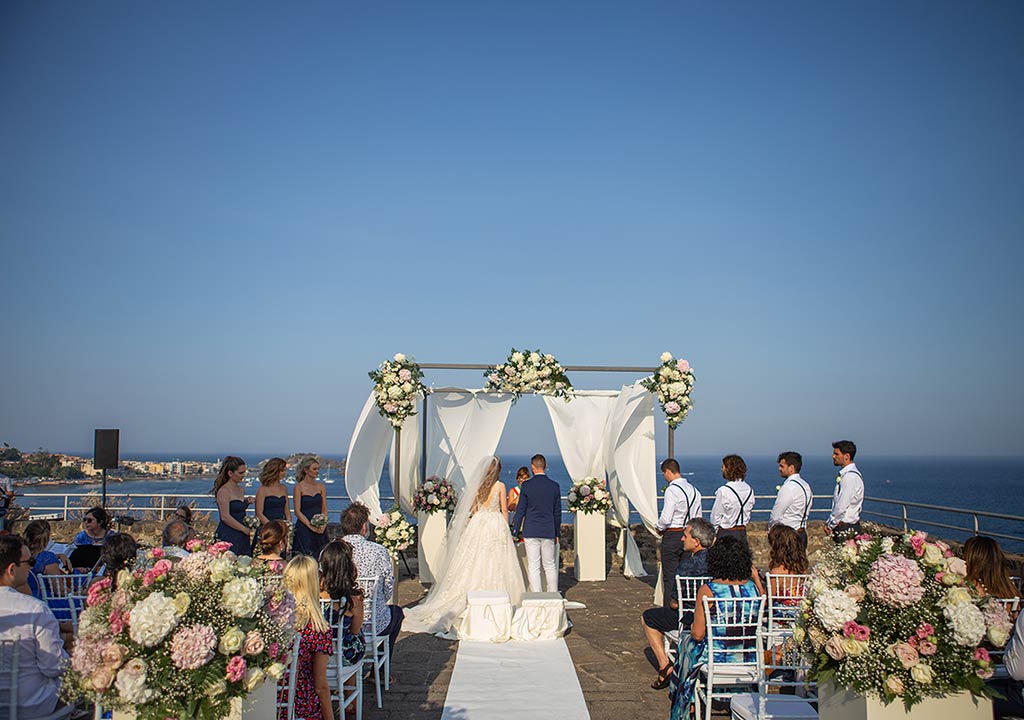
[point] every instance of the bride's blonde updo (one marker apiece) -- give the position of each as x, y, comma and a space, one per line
490, 477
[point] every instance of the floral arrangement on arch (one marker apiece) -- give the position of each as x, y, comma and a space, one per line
435, 495
394, 532
672, 382
181, 639
398, 382
526, 371
589, 495
894, 618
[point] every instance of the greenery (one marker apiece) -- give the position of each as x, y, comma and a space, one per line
37, 464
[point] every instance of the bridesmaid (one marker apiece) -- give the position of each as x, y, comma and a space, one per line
272, 496
310, 499
231, 502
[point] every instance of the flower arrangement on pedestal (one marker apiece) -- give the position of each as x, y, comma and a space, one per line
893, 618
526, 371
399, 382
394, 532
181, 639
672, 382
435, 495
589, 495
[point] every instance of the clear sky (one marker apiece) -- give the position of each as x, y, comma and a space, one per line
217, 217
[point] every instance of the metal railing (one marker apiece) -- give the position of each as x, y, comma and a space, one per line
163, 505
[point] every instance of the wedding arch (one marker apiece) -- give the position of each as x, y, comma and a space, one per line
447, 431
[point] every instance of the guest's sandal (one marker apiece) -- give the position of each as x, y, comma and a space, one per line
664, 675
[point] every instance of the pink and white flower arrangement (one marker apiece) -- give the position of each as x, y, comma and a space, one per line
434, 495
589, 495
527, 371
672, 382
394, 532
397, 384
156, 646
893, 618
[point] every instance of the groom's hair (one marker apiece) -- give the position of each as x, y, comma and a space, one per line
352, 520
539, 461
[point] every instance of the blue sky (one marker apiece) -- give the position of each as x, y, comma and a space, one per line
218, 217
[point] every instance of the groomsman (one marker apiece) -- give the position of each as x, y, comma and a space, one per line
734, 501
682, 504
793, 501
848, 498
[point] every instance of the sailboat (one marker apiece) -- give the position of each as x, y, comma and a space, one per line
327, 480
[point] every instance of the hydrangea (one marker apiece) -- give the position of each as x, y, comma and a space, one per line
193, 646
242, 597
835, 608
196, 565
151, 620
968, 623
896, 580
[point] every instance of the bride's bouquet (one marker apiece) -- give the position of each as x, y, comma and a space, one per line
435, 495
394, 532
589, 495
672, 383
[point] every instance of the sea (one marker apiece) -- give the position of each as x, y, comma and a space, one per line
986, 484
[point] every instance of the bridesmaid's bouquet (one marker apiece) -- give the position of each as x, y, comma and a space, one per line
435, 495
318, 521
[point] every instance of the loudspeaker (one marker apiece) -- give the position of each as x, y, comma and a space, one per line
105, 453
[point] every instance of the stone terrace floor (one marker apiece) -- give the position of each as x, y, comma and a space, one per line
606, 644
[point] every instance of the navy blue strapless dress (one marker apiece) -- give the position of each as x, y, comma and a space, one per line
240, 543
274, 505
306, 541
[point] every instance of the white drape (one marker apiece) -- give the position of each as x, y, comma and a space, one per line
631, 463
463, 428
409, 475
365, 459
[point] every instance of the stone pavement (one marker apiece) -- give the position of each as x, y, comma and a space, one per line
606, 644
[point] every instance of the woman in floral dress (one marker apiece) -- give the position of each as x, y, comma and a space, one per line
312, 699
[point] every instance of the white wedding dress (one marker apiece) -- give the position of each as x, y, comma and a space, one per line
484, 559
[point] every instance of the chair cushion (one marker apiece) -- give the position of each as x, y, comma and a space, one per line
783, 707
732, 674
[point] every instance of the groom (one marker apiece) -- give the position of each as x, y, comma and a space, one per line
539, 518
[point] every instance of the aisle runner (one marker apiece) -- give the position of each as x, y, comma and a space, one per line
493, 681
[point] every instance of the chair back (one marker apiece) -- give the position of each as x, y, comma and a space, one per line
369, 587
9, 679
785, 592
686, 590
65, 595
734, 635
1012, 605
286, 685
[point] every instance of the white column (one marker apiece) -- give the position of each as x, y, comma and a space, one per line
588, 544
433, 532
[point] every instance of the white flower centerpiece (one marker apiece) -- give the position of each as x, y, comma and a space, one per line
181, 639
672, 383
435, 495
893, 619
394, 532
589, 495
526, 371
398, 382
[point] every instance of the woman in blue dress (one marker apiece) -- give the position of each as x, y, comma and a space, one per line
272, 496
310, 500
231, 504
731, 566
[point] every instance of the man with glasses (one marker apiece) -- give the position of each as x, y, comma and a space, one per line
23, 618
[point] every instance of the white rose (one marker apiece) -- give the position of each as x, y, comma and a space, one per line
253, 679
968, 622
276, 670
957, 566
535, 358
854, 647
399, 357
222, 569
666, 357
921, 673
231, 641
956, 596
933, 556
998, 636
517, 357
394, 392
151, 620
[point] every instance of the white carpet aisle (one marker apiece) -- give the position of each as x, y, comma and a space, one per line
494, 681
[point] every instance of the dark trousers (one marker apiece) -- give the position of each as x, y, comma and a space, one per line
394, 627
802, 534
739, 533
845, 531
672, 554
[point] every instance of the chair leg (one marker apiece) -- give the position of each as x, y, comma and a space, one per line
359, 695
387, 666
376, 673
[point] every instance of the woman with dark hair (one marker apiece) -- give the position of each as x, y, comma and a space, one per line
183, 513
338, 582
118, 554
310, 500
272, 496
96, 528
987, 568
786, 554
231, 503
730, 565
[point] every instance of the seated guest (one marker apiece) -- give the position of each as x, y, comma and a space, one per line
28, 620
338, 582
312, 699
372, 560
786, 556
987, 568
119, 553
176, 534
698, 536
183, 513
1012, 688
44, 562
729, 564
272, 545
96, 528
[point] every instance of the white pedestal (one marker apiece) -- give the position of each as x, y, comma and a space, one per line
488, 616
433, 534
588, 541
541, 617
841, 704
260, 704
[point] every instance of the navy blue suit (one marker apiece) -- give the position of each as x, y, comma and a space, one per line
539, 512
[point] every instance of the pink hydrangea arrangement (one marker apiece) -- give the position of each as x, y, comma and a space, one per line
894, 618
434, 495
180, 639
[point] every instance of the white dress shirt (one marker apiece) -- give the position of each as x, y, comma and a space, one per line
1014, 657
793, 503
682, 504
734, 503
40, 651
848, 497
372, 560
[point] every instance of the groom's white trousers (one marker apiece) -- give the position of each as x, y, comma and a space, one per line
542, 551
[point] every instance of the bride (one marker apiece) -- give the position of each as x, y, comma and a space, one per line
481, 555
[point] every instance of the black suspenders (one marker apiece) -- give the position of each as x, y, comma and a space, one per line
741, 502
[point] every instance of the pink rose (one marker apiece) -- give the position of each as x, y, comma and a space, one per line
682, 366
927, 647
193, 544
906, 654
102, 678
855, 592
917, 541
981, 655
219, 547
834, 647
925, 630
984, 673
98, 592
114, 655
253, 643
236, 668
157, 553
